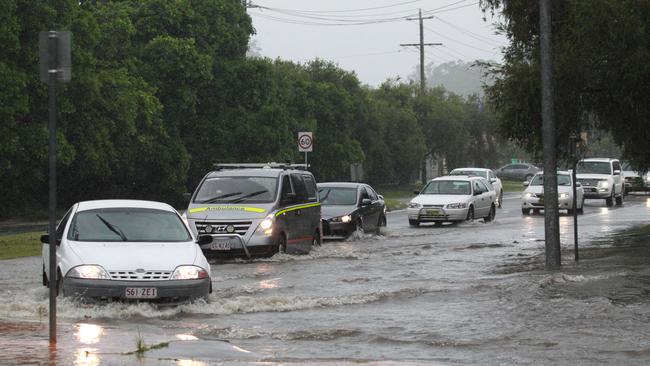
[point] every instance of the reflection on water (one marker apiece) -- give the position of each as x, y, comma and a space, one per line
86, 357
191, 363
186, 337
269, 284
89, 333
647, 202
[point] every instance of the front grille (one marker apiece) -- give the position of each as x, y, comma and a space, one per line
589, 182
140, 276
432, 206
219, 227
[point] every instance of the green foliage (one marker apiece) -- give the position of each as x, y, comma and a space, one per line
601, 66
162, 89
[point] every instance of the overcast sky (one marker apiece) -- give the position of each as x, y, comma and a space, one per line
301, 30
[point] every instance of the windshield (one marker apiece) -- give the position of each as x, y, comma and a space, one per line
562, 180
626, 166
128, 225
237, 189
447, 187
593, 167
476, 173
331, 196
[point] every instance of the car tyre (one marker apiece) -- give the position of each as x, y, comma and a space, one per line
316, 240
491, 215
282, 243
414, 223
525, 211
60, 289
609, 201
46, 283
359, 226
581, 209
619, 200
470, 214
500, 198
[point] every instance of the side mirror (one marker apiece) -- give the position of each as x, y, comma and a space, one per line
45, 239
578, 184
204, 239
380, 197
477, 193
492, 180
366, 202
617, 172
416, 192
187, 197
526, 183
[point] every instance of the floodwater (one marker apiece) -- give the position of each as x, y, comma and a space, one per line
472, 293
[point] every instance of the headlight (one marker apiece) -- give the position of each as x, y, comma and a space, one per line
414, 205
529, 195
563, 195
603, 183
346, 218
266, 224
89, 271
457, 205
647, 178
189, 273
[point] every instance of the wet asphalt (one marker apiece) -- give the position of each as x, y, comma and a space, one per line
471, 293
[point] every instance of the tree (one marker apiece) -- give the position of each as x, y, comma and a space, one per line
601, 67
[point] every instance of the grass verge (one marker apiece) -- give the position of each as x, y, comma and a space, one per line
20, 245
397, 197
512, 186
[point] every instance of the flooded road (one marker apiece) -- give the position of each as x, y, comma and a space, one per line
472, 293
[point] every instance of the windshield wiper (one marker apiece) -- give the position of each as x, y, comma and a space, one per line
113, 228
248, 196
216, 198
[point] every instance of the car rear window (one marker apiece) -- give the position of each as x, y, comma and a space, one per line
332, 196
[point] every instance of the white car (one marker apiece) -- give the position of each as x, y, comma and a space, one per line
602, 178
127, 249
453, 199
487, 174
533, 196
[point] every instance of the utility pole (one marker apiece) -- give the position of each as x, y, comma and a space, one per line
421, 45
551, 212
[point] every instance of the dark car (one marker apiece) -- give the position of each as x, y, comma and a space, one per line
519, 171
348, 207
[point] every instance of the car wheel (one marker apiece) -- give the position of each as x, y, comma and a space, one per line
525, 211
619, 200
470, 214
414, 223
536, 211
380, 223
316, 241
359, 226
500, 198
581, 209
282, 244
609, 201
491, 215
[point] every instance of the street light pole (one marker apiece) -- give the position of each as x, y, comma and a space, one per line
573, 138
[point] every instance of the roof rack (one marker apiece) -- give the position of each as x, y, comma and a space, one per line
270, 165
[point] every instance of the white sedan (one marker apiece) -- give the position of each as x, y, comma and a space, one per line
127, 249
487, 174
533, 195
453, 199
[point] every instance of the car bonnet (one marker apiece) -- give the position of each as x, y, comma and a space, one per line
440, 199
134, 255
225, 211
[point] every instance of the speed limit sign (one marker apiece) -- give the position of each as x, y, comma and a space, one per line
305, 142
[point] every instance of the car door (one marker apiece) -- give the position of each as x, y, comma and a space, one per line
312, 210
375, 207
508, 172
303, 237
59, 235
365, 210
481, 199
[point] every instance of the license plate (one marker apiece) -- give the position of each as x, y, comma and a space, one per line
220, 245
141, 293
433, 212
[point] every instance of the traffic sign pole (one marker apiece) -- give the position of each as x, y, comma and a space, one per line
52, 66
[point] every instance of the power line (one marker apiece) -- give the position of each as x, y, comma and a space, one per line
459, 42
348, 10
476, 36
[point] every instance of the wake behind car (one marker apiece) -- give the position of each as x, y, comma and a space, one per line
256, 210
348, 207
533, 196
453, 199
488, 174
127, 249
